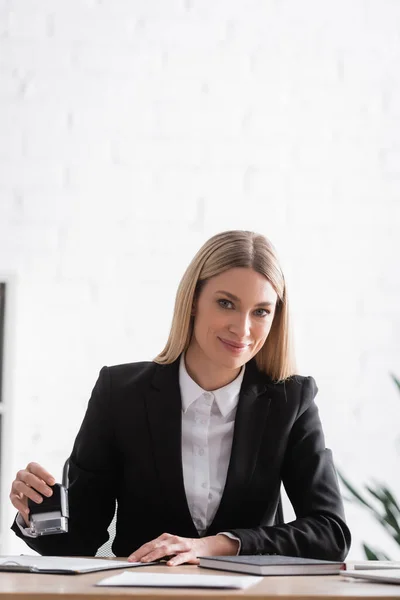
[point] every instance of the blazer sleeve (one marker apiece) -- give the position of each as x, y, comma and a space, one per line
93, 477
310, 480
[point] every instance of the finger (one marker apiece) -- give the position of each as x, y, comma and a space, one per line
167, 550
20, 488
142, 551
19, 504
32, 481
17, 496
148, 547
39, 479
25, 491
41, 473
183, 557
26, 519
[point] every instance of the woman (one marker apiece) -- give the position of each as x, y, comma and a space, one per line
194, 445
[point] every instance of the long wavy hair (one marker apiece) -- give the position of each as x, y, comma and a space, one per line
228, 250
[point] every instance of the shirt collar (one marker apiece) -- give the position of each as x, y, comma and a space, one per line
226, 397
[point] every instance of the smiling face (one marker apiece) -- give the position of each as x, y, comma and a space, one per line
232, 318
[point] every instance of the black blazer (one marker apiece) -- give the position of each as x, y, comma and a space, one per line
129, 449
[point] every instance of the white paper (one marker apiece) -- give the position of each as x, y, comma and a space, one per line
180, 580
83, 565
383, 576
375, 564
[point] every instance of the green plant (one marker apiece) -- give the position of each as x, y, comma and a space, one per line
386, 511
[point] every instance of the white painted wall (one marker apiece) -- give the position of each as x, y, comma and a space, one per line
130, 132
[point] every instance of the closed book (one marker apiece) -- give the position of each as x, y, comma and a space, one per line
272, 565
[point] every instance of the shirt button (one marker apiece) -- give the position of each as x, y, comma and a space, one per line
201, 452
210, 496
203, 421
204, 485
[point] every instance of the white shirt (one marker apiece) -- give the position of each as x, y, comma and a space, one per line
208, 420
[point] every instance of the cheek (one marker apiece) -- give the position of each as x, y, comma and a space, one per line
209, 322
218, 322
261, 330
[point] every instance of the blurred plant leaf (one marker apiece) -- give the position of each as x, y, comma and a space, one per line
374, 554
396, 381
354, 492
388, 512
392, 498
392, 514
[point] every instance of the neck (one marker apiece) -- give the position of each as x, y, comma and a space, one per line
206, 374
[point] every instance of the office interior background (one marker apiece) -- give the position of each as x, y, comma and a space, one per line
133, 130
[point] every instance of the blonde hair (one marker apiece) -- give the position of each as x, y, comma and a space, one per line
228, 250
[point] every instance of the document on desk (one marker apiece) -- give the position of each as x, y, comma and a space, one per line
374, 564
375, 575
171, 580
62, 565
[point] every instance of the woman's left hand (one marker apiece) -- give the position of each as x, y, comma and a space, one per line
184, 550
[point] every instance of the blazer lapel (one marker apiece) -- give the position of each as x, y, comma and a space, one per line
164, 409
251, 416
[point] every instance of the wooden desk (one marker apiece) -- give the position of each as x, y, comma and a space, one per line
26, 586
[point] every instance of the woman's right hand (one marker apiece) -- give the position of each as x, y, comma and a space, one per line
32, 482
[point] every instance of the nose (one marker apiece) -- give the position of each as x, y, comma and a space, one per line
240, 325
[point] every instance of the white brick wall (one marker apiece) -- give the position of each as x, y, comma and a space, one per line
131, 131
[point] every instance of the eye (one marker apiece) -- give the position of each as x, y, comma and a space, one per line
224, 303
262, 312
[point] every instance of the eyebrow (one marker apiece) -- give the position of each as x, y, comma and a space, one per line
233, 297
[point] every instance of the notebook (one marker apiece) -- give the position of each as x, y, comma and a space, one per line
172, 580
62, 565
382, 576
272, 565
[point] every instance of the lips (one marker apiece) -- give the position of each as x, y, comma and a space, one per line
234, 344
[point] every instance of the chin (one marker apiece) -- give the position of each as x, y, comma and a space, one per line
232, 362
